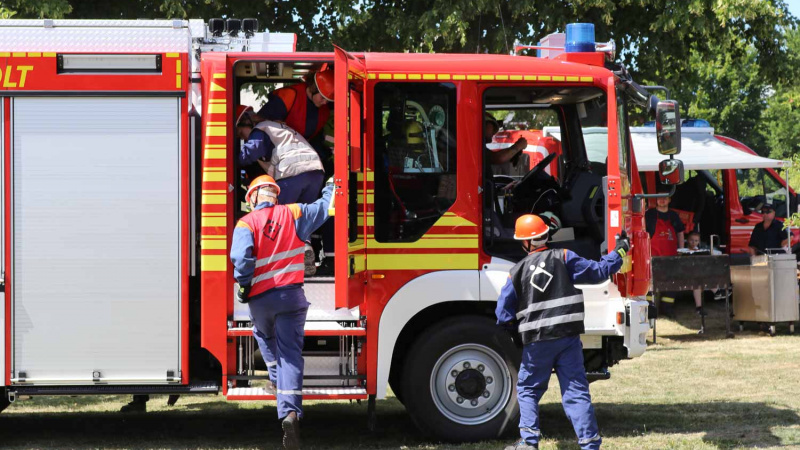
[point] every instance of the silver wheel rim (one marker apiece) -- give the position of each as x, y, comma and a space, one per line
474, 362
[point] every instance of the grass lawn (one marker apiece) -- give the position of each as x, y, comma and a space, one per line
686, 392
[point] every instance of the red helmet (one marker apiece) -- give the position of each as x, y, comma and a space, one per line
263, 180
241, 110
530, 226
324, 83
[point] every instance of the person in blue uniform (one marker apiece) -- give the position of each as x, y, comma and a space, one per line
541, 305
769, 235
267, 252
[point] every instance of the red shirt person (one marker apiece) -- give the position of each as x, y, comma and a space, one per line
665, 229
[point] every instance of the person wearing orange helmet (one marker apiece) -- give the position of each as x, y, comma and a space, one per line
303, 106
282, 153
541, 306
268, 256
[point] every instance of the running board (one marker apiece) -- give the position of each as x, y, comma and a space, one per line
309, 393
311, 329
195, 388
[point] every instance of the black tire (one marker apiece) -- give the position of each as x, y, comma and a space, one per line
396, 385
452, 344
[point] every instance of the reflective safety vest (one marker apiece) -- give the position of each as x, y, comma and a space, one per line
550, 306
292, 155
298, 110
278, 251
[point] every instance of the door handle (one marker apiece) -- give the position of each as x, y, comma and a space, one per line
742, 220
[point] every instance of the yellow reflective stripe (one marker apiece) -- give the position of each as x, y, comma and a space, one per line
473, 77
18, 54
414, 76
558, 78
34, 54
544, 77
427, 243
4, 54
434, 261
429, 76
178, 81
516, 77
443, 76
213, 221
216, 131
384, 76
218, 75
213, 244
214, 154
178, 66
501, 77
216, 87
573, 78
49, 55
208, 199
450, 219
667, 299
359, 263
529, 77
214, 176
213, 263
459, 77
587, 79
172, 55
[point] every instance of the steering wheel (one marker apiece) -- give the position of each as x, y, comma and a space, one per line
529, 177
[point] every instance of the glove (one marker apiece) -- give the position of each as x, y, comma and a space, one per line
622, 244
511, 329
243, 294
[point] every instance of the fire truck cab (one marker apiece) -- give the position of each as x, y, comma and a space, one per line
121, 189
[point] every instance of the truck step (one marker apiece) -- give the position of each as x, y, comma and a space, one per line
309, 393
311, 329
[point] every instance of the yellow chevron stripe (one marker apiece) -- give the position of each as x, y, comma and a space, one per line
427, 243
213, 244
213, 263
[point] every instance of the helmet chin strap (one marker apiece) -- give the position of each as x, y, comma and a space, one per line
533, 244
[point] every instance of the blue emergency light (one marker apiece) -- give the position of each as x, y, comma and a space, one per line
580, 37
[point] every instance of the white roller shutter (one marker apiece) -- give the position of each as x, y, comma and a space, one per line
96, 239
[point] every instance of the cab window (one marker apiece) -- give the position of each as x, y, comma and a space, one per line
415, 158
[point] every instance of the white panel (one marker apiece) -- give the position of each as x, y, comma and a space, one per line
110, 36
96, 236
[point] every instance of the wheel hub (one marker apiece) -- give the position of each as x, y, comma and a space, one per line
470, 384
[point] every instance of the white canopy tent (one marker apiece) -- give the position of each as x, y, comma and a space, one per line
700, 150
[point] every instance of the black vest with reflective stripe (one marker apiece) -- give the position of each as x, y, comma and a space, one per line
549, 305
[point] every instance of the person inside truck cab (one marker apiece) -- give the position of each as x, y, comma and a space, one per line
768, 235
502, 156
282, 153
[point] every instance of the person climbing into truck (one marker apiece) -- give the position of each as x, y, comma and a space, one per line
540, 305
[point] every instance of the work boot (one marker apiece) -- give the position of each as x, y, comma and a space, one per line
138, 404
700, 311
291, 431
172, 399
310, 268
522, 445
326, 268
271, 388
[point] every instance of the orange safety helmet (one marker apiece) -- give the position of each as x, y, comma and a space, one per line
530, 226
324, 83
241, 110
263, 180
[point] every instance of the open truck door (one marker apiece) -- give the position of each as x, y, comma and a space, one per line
351, 180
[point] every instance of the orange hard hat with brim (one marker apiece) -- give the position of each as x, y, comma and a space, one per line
241, 110
530, 226
263, 180
324, 83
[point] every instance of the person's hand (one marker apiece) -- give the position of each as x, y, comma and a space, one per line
521, 144
243, 294
622, 244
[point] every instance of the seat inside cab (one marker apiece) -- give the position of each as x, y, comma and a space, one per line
559, 174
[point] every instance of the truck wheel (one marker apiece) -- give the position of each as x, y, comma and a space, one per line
459, 380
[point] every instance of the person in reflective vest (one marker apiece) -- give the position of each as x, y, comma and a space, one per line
267, 252
541, 306
303, 106
283, 154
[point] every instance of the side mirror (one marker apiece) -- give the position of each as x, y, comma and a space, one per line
670, 172
668, 127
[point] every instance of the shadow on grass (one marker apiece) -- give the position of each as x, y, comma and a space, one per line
724, 424
715, 323
221, 424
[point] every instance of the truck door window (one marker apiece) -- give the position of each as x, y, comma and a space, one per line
757, 186
415, 158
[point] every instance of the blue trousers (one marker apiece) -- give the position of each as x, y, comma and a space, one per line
565, 355
302, 188
279, 317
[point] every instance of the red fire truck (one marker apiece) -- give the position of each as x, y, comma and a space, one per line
121, 189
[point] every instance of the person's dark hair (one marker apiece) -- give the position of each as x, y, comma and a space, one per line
692, 233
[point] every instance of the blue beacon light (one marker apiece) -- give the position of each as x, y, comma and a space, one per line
580, 37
